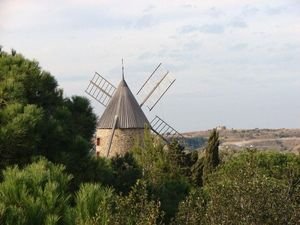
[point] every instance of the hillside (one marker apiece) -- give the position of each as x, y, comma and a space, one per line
276, 139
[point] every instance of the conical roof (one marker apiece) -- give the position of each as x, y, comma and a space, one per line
124, 105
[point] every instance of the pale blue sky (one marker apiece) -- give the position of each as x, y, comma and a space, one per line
237, 62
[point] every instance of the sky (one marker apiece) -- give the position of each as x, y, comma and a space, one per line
236, 62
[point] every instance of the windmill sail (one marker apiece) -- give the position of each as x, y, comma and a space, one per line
100, 89
165, 131
155, 87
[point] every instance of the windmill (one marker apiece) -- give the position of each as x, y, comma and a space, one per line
123, 120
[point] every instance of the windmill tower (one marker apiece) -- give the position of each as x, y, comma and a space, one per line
123, 121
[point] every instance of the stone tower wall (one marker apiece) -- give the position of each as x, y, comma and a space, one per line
123, 141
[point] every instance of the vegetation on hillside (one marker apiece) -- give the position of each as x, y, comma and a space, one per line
49, 176
287, 140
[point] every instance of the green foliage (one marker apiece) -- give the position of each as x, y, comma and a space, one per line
170, 193
120, 172
206, 164
35, 195
163, 173
181, 158
93, 205
35, 119
19, 132
98, 205
67, 136
211, 159
94, 170
83, 119
155, 160
126, 172
197, 171
136, 208
192, 210
251, 188
23, 81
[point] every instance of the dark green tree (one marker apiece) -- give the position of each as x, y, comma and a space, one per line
19, 133
197, 170
35, 118
211, 157
126, 172
183, 159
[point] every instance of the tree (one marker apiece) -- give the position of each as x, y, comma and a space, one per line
258, 188
35, 195
35, 118
250, 188
92, 170
136, 208
98, 205
197, 170
207, 162
184, 160
211, 158
126, 172
19, 133
192, 210
165, 179
155, 160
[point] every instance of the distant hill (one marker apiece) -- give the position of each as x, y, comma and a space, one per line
266, 139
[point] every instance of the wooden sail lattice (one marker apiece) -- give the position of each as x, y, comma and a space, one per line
155, 87
164, 130
100, 89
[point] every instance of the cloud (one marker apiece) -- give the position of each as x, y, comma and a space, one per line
73, 38
188, 29
249, 10
206, 28
275, 10
179, 55
213, 28
215, 12
187, 5
149, 8
191, 45
49, 17
238, 47
238, 23
146, 55
144, 22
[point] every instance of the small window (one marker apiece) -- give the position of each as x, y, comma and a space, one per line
98, 153
98, 141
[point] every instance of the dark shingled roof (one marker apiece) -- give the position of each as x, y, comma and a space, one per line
123, 104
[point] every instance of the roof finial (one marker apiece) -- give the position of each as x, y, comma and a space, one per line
122, 69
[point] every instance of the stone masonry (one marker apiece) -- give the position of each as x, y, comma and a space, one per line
123, 141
